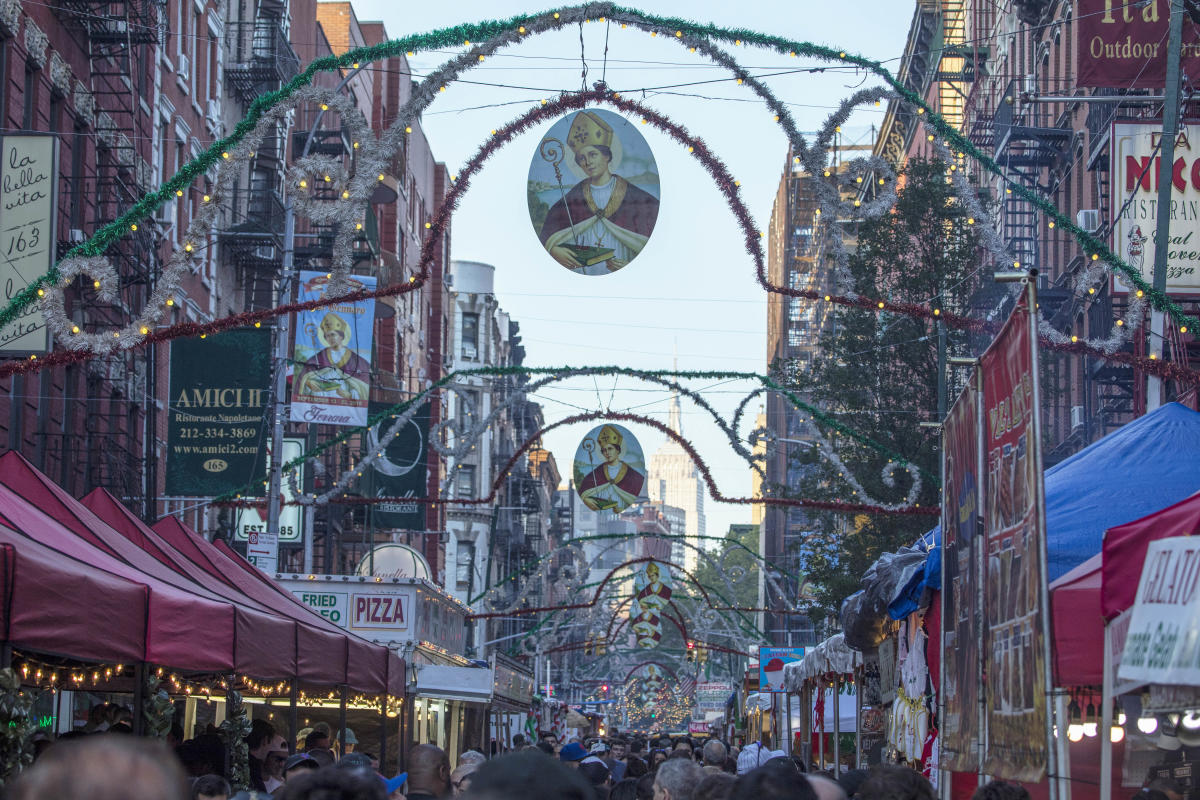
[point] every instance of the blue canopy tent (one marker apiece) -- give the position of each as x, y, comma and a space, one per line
1136, 470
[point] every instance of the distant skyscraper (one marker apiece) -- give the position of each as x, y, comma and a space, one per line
675, 481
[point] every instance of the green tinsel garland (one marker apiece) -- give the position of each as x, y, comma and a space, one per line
479, 32
816, 413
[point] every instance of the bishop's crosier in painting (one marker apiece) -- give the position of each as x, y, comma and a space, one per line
602, 222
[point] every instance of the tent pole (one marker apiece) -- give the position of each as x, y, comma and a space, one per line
1106, 720
857, 760
787, 712
837, 727
294, 715
383, 738
821, 741
342, 721
139, 695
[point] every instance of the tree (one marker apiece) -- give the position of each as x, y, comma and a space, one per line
739, 555
877, 373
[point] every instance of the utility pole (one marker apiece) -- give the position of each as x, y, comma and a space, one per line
1166, 170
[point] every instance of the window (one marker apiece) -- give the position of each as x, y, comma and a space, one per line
464, 483
464, 561
468, 403
470, 335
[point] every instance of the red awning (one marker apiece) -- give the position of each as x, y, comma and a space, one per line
1078, 627
1125, 550
90, 581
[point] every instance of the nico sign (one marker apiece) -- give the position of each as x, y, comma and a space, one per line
1163, 644
28, 166
1122, 44
1135, 173
216, 421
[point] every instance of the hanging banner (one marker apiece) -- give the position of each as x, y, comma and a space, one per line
217, 418
610, 469
252, 522
1163, 643
1122, 44
711, 696
1014, 645
332, 381
401, 472
960, 583
651, 594
1134, 159
28, 203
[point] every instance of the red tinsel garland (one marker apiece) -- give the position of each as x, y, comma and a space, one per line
725, 184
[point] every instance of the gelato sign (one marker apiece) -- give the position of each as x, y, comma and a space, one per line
1163, 644
771, 661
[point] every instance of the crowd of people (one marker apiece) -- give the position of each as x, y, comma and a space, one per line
115, 767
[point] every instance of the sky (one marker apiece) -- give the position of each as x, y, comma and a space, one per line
690, 296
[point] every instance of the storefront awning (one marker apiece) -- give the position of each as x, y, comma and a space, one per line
468, 684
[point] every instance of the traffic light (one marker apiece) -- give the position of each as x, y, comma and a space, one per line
691, 652
587, 646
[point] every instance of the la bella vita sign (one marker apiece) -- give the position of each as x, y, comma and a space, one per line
1163, 644
28, 171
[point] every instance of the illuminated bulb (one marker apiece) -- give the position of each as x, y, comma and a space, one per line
442, 89
827, 298
1095, 256
1092, 290
116, 335
1120, 322
327, 179
792, 54
1090, 729
689, 148
556, 15
145, 330
1183, 328
358, 226
937, 312
170, 301
74, 329
179, 193
1051, 223
410, 54
1074, 338
481, 58
691, 49
96, 284
1075, 732
678, 34
188, 247
739, 80
356, 145
133, 227
881, 304
970, 220
857, 203
493, 131
428, 224
1116, 734
345, 195
522, 29
1139, 292
840, 55
381, 176
324, 107
355, 65
41, 292
225, 155
826, 173
207, 198
258, 324
881, 181
1017, 264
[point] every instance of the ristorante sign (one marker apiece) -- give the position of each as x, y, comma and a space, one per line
1122, 44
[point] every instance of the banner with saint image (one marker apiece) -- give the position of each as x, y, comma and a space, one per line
651, 594
331, 384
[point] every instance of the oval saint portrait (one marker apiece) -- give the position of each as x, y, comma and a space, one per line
610, 470
593, 192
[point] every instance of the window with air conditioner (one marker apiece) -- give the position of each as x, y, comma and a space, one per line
464, 481
1077, 419
470, 335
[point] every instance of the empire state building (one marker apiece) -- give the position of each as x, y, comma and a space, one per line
675, 481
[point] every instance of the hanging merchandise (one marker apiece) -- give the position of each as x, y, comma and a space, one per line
610, 470
603, 221
910, 714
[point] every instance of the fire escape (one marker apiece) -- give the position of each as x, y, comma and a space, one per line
260, 59
118, 38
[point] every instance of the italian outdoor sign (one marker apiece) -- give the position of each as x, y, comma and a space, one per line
28, 203
216, 418
1122, 44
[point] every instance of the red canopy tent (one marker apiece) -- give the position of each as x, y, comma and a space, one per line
1078, 626
104, 586
1125, 550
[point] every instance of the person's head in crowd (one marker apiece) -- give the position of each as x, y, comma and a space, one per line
624, 789
103, 768
683, 743
620, 748
545, 747
518, 741
635, 767
316, 739
550, 739
1005, 790
355, 761
645, 787
262, 734
471, 757
714, 754
97, 718
333, 784
598, 748
596, 773
677, 779
210, 787
277, 753
572, 753
527, 776
637, 747
298, 764
657, 757
778, 779
827, 788
460, 779
204, 755
323, 756
714, 786
428, 771
347, 740
1173, 789
680, 752
852, 781
887, 782
325, 728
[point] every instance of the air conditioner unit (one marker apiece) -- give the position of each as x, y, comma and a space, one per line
1088, 219
75, 236
182, 68
1076, 417
448, 279
1031, 87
